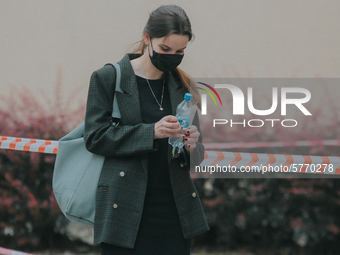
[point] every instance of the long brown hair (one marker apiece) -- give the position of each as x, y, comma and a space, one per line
166, 20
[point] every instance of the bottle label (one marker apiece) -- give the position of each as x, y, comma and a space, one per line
184, 120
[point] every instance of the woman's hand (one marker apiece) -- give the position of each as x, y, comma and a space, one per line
191, 137
167, 126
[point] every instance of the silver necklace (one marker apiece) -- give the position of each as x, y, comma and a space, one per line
160, 104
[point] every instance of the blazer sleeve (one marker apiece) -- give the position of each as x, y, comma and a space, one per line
196, 155
100, 136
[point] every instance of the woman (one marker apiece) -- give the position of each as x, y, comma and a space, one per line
146, 201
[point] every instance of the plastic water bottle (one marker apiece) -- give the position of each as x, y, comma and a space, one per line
183, 117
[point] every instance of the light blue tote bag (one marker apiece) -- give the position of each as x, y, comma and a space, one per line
77, 171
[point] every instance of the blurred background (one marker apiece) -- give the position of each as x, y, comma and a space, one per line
48, 52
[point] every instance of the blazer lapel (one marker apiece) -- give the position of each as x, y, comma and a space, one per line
128, 100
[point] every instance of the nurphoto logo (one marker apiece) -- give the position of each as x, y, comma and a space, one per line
294, 96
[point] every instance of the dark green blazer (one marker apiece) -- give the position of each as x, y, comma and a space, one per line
122, 185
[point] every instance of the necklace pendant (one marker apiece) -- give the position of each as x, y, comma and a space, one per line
161, 108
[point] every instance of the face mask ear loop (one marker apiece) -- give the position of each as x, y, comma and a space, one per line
149, 47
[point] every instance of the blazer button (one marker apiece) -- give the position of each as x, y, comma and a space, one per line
115, 206
121, 174
194, 194
182, 165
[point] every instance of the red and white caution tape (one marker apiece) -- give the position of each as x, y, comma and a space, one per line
26, 144
4, 251
286, 163
214, 146
294, 163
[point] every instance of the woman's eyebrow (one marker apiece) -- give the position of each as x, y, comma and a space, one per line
169, 47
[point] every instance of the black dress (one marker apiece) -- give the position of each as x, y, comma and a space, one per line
160, 230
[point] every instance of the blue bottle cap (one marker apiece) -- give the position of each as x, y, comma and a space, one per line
188, 96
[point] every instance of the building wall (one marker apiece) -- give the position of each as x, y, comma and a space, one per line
234, 38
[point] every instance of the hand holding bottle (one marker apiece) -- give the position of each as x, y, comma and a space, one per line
168, 126
191, 137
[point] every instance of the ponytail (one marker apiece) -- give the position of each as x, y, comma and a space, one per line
188, 82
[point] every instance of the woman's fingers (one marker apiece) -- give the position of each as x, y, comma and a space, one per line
168, 126
192, 132
169, 118
190, 140
192, 136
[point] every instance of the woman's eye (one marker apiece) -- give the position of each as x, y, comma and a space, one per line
166, 50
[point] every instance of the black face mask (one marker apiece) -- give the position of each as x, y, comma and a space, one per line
165, 62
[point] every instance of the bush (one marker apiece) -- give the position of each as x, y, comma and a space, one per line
273, 216
28, 209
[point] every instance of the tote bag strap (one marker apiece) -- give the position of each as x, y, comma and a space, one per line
115, 107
